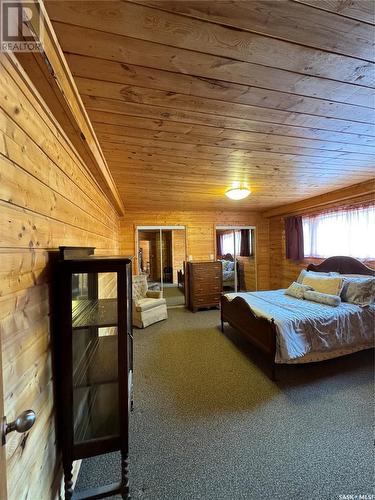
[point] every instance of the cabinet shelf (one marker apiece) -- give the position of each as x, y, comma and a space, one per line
99, 363
94, 312
95, 412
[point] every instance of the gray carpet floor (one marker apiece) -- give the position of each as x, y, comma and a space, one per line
208, 422
174, 296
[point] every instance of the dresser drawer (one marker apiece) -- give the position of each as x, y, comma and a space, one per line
205, 284
198, 290
207, 298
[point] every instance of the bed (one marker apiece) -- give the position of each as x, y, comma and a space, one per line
228, 264
290, 330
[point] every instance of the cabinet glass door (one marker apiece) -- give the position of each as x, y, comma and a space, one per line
95, 356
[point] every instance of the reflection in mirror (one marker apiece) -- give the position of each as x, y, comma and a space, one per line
235, 248
161, 254
173, 264
149, 253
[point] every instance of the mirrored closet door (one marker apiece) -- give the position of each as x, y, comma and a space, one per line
235, 248
161, 255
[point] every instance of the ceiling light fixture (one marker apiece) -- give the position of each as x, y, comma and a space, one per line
238, 192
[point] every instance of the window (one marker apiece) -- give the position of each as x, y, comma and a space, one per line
348, 232
228, 242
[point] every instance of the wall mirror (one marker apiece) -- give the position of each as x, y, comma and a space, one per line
236, 249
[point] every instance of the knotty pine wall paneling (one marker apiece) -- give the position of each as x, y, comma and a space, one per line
47, 199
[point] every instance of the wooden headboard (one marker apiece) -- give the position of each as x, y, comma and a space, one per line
342, 265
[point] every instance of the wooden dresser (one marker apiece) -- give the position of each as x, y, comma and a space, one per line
203, 284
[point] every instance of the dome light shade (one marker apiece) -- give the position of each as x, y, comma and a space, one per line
238, 193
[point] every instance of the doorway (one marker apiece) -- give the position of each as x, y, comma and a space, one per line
235, 248
161, 252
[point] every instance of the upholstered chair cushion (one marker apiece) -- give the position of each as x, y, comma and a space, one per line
154, 294
139, 286
146, 304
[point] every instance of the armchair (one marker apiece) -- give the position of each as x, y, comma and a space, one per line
148, 305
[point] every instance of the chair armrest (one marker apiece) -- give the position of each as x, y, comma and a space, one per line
154, 294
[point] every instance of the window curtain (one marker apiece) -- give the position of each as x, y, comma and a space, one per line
219, 244
245, 243
348, 232
227, 243
294, 238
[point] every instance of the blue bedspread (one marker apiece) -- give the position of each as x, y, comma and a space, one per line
305, 327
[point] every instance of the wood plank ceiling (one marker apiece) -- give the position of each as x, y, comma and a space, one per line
188, 96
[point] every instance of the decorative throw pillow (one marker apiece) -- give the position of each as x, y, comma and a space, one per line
304, 273
225, 264
360, 291
230, 266
297, 290
331, 285
323, 298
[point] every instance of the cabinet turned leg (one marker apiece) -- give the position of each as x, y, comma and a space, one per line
125, 476
68, 481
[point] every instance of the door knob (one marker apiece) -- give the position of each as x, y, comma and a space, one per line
23, 423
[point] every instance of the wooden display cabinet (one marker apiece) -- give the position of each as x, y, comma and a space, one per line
93, 361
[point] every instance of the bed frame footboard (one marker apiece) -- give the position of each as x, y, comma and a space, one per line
259, 331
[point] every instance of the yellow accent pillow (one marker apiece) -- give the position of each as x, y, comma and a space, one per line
330, 285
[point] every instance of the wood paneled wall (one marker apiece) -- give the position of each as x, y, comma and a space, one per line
283, 271
47, 199
247, 266
200, 233
178, 252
